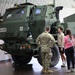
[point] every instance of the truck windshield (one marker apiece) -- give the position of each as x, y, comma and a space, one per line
15, 14
19, 14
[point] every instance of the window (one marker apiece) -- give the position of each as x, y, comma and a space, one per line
38, 11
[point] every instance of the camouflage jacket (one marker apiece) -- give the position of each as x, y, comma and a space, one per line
45, 41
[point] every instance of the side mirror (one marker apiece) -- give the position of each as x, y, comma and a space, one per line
59, 8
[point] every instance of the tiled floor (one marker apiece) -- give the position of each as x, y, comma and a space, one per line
7, 69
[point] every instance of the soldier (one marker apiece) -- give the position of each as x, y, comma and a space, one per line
45, 41
1, 43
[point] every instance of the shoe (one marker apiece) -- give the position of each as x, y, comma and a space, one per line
44, 70
49, 71
72, 70
63, 65
68, 71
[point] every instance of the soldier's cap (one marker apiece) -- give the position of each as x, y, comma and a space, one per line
1, 42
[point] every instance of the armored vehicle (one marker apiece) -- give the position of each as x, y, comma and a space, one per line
19, 28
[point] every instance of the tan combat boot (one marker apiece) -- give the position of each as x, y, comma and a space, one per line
44, 70
48, 71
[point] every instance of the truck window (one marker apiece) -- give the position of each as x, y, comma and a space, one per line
38, 11
9, 16
19, 13
15, 14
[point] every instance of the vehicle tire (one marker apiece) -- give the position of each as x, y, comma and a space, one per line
55, 56
21, 60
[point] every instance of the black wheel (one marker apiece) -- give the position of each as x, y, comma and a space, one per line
55, 56
21, 60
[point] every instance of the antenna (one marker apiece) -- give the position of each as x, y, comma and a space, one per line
26, 1
54, 3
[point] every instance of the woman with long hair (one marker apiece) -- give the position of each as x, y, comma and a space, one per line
69, 50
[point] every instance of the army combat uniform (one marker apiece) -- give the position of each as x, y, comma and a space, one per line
45, 41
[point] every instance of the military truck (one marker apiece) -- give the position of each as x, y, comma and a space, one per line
20, 26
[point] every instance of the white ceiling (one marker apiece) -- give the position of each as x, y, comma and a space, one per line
69, 5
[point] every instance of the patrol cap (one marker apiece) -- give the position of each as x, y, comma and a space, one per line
1, 42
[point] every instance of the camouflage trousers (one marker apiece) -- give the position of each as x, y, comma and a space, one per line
46, 59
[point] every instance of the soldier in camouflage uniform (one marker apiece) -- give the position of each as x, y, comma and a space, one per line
45, 40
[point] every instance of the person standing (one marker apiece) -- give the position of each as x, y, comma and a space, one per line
1, 43
61, 45
69, 50
45, 41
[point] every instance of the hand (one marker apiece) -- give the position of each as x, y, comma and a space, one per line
50, 54
1, 47
61, 49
